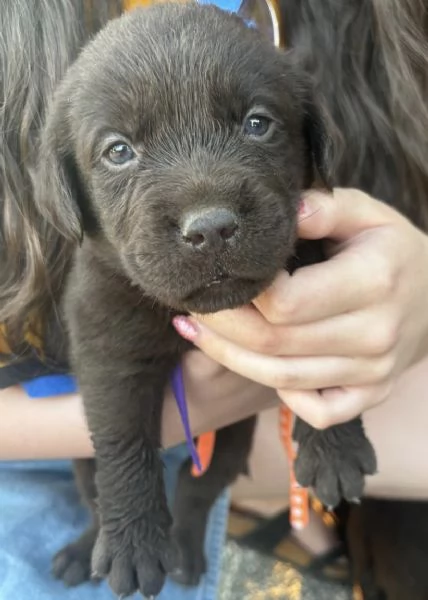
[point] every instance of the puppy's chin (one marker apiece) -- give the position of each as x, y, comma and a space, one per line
221, 295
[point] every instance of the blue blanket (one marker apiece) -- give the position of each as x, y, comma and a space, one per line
40, 513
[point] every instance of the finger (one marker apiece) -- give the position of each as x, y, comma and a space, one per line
286, 373
335, 405
342, 214
319, 291
364, 333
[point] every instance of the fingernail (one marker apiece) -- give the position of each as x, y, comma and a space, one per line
303, 208
185, 327
306, 209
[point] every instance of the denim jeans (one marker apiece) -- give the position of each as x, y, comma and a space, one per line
40, 513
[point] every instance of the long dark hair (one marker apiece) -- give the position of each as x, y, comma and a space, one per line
38, 41
369, 60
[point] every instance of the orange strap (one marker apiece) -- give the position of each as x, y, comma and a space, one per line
205, 448
130, 4
299, 497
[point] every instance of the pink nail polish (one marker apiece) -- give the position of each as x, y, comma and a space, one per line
185, 328
302, 208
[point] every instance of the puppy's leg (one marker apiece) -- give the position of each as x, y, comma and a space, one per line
133, 546
196, 495
123, 351
72, 564
334, 461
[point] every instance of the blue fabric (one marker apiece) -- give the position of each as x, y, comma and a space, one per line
40, 513
50, 385
228, 5
232, 6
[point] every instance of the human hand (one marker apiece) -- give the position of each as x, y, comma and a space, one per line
333, 337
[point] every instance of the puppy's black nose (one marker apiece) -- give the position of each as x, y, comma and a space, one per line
209, 227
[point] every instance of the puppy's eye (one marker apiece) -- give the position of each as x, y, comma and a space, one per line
120, 153
257, 125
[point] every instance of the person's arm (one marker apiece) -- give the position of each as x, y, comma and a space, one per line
45, 428
55, 427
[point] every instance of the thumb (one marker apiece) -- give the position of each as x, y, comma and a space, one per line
341, 214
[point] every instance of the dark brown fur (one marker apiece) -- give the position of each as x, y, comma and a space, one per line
388, 543
176, 84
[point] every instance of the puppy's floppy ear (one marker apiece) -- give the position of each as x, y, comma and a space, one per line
318, 133
59, 192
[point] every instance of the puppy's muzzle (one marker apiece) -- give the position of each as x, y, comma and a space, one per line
209, 229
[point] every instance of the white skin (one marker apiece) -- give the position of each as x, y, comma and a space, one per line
332, 341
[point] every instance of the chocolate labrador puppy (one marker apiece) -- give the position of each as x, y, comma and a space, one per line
174, 156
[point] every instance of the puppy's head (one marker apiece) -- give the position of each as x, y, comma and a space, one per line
179, 143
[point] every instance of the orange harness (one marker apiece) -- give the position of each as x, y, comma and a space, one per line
299, 497
205, 445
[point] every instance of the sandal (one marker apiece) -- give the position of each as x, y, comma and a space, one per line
274, 537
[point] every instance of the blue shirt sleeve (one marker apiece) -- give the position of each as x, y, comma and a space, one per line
50, 385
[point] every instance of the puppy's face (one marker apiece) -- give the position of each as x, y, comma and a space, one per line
179, 143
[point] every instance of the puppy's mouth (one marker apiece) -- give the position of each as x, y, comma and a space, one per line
222, 293
217, 281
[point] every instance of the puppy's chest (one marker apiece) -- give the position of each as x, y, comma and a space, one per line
103, 310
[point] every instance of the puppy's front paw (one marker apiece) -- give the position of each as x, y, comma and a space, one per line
137, 558
334, 462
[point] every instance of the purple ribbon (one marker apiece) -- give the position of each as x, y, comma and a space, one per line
180, 397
